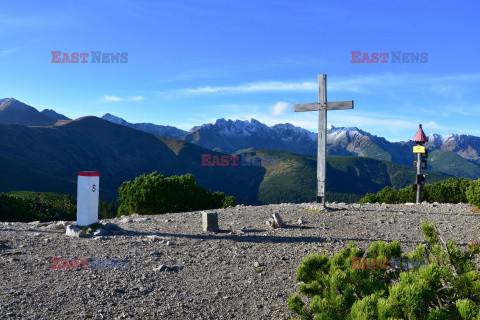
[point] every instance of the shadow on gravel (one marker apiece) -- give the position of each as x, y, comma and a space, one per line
3, 245
415, 212
253, 230
298, 227
238, 238
262, 239
34, 231
265, 230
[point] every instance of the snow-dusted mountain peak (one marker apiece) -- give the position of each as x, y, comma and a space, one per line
159, 130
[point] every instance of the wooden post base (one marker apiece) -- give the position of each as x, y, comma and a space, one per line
321, 200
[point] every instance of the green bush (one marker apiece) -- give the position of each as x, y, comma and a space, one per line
369, 198
13, 208
228, 201
388, 195
27, 206
473, 193
446, 288
155, 194
107, 209
452, 190
407, 194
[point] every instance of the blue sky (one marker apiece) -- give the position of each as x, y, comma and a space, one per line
191, 62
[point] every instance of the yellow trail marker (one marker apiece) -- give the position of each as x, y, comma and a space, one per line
418, 149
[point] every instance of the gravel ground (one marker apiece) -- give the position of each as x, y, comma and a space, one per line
245, 271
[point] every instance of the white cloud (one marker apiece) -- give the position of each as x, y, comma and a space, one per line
107, 98
452, 84
281, 108
255, 87
7, 52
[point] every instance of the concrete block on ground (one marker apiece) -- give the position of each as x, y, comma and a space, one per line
210, 221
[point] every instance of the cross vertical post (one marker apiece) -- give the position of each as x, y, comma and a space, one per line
322, 138
322, 106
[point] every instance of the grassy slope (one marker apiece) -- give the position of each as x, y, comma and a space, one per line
451, 163
296, 175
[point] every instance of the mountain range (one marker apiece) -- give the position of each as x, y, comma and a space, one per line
43, 151
48, 159
453, 154
231, 136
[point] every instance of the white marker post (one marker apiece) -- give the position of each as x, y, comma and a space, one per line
87, 198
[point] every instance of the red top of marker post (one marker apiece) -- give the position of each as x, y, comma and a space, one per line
89, 174
420, 137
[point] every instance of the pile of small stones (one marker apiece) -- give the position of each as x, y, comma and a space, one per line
107, 229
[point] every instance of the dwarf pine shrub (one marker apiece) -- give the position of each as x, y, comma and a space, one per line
473, 193
452, 190
156, 194
447, 287
26, 206
13, 208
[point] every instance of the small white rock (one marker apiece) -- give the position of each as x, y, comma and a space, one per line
74, 231
154, 238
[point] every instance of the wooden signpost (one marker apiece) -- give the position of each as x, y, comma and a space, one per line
322, 106
421, 154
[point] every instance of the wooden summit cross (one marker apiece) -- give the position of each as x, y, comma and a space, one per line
322, 106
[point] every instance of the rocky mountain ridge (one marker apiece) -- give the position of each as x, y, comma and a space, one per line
455, 154
287, 137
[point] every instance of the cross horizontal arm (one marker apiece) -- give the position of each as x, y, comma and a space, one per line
299, 107
339, 105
